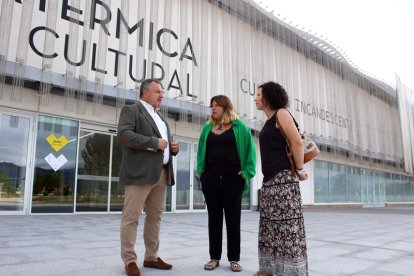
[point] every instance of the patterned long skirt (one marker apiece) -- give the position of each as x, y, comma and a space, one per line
282, 239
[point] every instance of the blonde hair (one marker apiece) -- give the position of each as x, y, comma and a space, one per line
229, 114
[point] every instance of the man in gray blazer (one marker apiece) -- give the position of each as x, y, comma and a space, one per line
146, 169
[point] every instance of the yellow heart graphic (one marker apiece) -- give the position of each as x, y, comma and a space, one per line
57, 144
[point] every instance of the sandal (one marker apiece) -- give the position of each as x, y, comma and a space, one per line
212, 264
235, 267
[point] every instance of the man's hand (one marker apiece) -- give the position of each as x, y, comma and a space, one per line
162, 144
175, 147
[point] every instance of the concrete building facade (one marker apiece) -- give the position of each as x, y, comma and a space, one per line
67, 67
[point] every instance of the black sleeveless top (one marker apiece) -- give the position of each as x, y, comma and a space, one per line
221, 151
272, 150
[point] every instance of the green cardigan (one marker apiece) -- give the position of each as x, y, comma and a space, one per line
245, 148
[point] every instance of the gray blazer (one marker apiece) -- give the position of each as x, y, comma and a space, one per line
141, 159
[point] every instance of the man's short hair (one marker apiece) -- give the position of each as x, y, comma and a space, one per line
146, 84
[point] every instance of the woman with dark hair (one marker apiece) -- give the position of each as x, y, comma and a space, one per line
282, 240
226, 160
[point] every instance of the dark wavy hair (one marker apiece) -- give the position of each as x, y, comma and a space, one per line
274, 95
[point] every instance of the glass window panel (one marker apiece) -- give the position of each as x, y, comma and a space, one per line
92, 194
117, 190
383, 193
389, 188
379, 188
412, 187
337, 184
399, 190
246, 200
58, 127
364, 186
168, 199
14, 140
353, 184
198, 197
116, 157
183, 177
321, 182
54, 177
117, 196
375, 188
408, 194
93, 172
94, 153
73, 130
47, 126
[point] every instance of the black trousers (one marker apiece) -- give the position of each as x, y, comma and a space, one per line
223, 190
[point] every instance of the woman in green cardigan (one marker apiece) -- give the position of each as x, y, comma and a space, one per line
226, 160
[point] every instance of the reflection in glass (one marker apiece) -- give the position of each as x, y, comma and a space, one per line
183, 177
117, 196
321, 182
13, 155
379, 189
337, 185
353, 184
198, 197
246, 200
92, 195
398, 188
168, 199
117, 190
389, 188
93, 172
408, 193
411, 180
366, 187
54, 180
116, 157
372, 188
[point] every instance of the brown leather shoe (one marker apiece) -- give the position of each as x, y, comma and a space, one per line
159, 264
132, 269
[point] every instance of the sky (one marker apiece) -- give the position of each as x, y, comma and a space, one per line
377, 35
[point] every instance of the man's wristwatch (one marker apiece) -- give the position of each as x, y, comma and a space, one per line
299, 171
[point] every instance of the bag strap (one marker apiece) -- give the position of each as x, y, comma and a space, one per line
287, 147
296, 123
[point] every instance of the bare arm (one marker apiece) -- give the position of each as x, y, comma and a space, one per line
292, 134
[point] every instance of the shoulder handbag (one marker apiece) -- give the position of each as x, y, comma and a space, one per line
309, 146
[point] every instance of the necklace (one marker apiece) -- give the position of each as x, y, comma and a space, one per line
220, 127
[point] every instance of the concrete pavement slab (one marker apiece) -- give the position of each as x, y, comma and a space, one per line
367, 241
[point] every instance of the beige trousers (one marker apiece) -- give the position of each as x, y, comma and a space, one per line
136, 198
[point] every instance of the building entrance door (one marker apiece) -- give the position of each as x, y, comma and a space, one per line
15, 173
187, 194
99, 157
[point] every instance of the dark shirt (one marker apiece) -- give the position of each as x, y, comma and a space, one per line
221, 151
272, 150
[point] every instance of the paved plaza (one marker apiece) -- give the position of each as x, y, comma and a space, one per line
361, 241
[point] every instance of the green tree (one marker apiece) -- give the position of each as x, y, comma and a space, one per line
96, 154
6, 186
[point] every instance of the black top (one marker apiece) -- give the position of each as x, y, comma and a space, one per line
221, 151
272, 150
